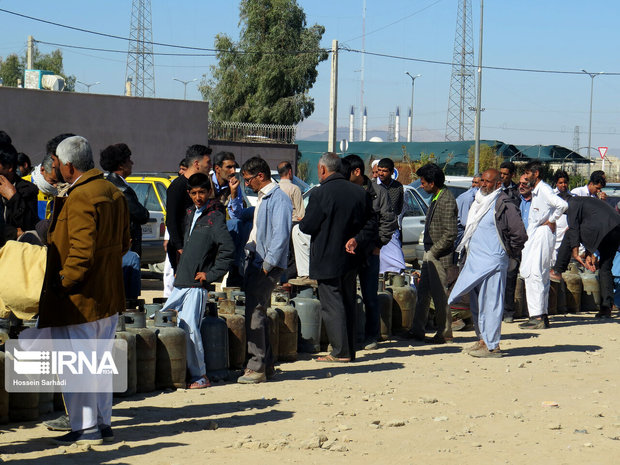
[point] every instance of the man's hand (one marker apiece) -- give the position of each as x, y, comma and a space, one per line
265, 271
202, 277
350, 246
602, 195
166, 246
551, 225
233, 183
7, 189
591, 262
180, 251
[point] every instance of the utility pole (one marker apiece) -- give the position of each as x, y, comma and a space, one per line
333, 100
592, 76
30, 53
410, 131
478, 99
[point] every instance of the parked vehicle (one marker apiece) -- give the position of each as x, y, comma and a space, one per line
151, 191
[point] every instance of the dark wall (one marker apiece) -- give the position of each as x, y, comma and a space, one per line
157, 131
272, 153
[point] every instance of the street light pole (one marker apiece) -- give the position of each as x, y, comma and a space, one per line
478, 98
413, 78
185, 83
88, 86
592, 76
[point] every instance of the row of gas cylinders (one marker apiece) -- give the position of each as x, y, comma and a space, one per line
579, 291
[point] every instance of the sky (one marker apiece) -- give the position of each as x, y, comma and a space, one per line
521, 108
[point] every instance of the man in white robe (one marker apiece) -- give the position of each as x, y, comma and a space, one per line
493, 238
545, 210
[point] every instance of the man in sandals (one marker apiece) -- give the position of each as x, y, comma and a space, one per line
493, 239
207, 254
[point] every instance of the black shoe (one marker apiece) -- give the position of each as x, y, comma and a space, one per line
270, 371
603, 314
106, 433
546, 321
58, 424
79, 437
534, 323
416, 337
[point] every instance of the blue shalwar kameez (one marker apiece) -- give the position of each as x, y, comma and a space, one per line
484, 277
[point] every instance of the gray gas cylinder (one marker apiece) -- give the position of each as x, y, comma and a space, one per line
237, 341
214, 334
171, 363
130, 338
146, 350
288, 322
309, 311
403, 304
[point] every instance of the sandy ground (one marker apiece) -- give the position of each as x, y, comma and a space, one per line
400, 404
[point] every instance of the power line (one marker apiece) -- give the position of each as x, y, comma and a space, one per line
448, 63
123, 51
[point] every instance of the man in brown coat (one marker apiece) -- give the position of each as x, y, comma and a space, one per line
83, 287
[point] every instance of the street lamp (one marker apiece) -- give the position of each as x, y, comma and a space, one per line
185, 83
413, 78
592, 76
88, 86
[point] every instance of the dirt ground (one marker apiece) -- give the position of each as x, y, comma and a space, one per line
401, 404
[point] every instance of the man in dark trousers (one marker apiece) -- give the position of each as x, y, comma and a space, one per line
116, 159
18, 197
335, 218
198, 159
596, 225
368, 271
439, 236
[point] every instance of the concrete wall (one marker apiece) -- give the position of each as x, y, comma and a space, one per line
157, 131
272, 153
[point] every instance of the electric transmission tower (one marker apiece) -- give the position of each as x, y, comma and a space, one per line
140, 69
462, 99
576, 139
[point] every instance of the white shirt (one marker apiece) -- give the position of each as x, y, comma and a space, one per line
546, 206
582, 192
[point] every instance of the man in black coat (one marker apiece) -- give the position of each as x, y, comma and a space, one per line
596, 225
340, 221
116, 159
198, 159
18, 197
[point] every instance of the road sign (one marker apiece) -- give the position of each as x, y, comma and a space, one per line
602, 151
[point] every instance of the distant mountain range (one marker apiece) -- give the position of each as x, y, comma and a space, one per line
315, 131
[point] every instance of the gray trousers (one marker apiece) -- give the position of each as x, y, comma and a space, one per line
433, 283
258, 288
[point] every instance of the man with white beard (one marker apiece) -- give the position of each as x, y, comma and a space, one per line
545, 210
493, 239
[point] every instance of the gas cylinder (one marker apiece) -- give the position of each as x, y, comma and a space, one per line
552, 307
150, 309
130, 338
403, 304
171, 363
4, 396
230, 291
274, 332
134, 305
309, 311
239, 298
46, 402
288, 322
574, 289
591, 293
214, 334
23, 406
237, 342
520, 299
385, 309
146, 350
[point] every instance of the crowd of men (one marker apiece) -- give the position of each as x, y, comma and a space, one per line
476, 247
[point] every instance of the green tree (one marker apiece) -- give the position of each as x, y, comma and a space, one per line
265, 77
488, 159
12, 68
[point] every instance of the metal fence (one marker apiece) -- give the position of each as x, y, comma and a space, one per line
252, 132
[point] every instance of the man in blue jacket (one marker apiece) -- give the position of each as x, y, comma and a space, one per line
267, 257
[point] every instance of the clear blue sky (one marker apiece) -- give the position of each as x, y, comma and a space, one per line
520, 108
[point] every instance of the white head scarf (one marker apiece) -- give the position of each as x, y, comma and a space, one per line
41, 183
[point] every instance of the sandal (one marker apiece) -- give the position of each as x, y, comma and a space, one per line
200, 383
331, 359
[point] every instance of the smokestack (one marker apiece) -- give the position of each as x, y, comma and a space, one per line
128, 87
397, 126
364, 125
409, 128
351, 124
